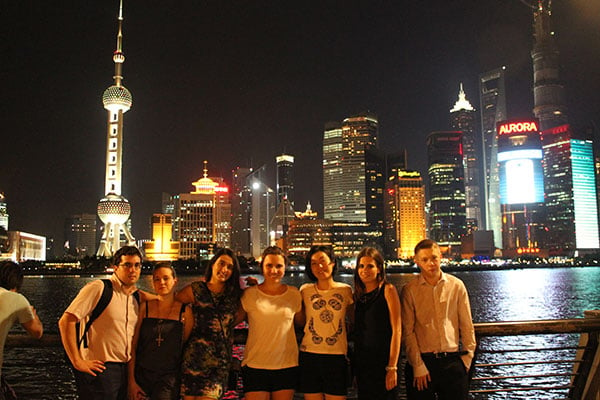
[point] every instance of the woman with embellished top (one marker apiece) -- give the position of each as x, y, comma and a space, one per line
164, 325
208, 353
377, 329
323, 363
270, 366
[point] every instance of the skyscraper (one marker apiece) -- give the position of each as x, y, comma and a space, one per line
570, 192
262, 210
241, 202
161, 247
447, 218
345, 147
114, 209
405, 214
285, 178
463, 118
493, 110
548, 91
3, 212
521, 188
203, 217
80, 235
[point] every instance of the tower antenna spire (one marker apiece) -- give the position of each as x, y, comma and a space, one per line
114, 209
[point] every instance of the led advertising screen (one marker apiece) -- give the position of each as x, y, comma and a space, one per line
521, 177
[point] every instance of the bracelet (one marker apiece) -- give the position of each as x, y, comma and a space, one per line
391, 368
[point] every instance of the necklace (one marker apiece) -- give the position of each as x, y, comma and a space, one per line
159, 339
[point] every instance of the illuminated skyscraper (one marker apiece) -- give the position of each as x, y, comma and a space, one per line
447, 218
405, 214
493, 110
3, 212
241, 202
570, 187
285, 178
203, 217
262, 210
114, 209
548, 91
463, 118
161, 247
521, 188
345, 188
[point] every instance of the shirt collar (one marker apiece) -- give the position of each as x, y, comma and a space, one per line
422, 281
119, 285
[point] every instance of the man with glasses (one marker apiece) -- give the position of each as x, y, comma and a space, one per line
100, 364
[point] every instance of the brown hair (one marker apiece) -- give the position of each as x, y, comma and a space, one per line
359, 286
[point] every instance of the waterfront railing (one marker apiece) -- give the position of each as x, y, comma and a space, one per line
551, 359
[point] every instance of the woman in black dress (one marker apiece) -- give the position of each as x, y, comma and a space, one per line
164, 324
378, 329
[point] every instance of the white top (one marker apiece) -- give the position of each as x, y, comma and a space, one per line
14, 308
325, 329
110, 335
271, 342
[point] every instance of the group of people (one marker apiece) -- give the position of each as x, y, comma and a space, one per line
124, 343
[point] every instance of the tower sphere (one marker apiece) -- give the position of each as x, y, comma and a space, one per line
114, 209
117, 97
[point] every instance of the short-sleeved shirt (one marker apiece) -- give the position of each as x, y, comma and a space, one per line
325, 329
110, 335
271, 340
14, 308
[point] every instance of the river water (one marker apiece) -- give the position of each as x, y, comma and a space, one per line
506, 295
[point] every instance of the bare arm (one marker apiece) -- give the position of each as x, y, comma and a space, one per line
188, 323
134, 391
393, 302
300, 318
185, 295
68, 336
34, 327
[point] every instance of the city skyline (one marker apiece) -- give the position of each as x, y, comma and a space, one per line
240, 85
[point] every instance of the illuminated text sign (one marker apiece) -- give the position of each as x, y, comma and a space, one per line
517, 127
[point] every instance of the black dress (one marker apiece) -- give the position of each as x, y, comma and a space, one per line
373, 334
158, 357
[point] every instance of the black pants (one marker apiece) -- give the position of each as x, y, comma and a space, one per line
111, 384
449, 380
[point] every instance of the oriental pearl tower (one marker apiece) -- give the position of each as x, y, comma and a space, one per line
114, 209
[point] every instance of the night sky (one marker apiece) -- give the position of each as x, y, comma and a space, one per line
239, 82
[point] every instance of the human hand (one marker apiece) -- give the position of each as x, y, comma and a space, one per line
420, 382
391, 379
91, 367
135, 392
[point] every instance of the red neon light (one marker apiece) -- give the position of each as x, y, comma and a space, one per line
391, 192
221, 189
517, 127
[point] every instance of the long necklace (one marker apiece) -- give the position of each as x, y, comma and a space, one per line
159, 339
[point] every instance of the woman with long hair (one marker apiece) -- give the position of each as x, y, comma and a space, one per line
215, 302
326, 303
377, 329
270, 366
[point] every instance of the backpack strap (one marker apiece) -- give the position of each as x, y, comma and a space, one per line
105, 298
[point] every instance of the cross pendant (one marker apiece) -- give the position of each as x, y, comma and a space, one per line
159, 339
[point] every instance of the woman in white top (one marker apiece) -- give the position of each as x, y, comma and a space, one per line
271, 355
323, 363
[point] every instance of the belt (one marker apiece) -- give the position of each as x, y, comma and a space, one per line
444, 354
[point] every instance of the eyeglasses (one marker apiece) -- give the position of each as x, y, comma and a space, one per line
130, 265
